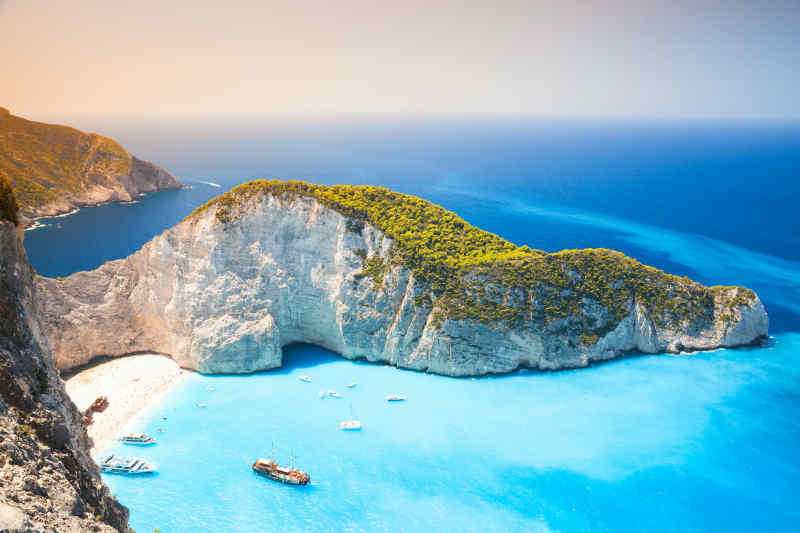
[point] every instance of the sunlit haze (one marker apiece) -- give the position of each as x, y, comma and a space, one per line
647, 58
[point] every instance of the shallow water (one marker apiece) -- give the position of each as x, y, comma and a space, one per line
655, 443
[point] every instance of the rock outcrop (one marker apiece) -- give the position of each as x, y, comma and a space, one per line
55, 169
373, 274
48, 482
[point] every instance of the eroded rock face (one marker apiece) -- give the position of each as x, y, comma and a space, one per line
48, 482
225, 297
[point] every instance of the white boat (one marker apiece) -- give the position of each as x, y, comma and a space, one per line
351, 385
396, 398
125, 465
334, 394
201, 405
137, 439
350, 425
321, 395
305, 378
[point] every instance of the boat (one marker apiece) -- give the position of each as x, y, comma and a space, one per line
334, 394
125, 465
201, 405
305, 378
351, 385
352, 424
272, 470
137, 439
321, 395
396, 398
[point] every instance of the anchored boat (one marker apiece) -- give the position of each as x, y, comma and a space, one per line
137, 439
272, 470
125, 465
396, 398
305, 378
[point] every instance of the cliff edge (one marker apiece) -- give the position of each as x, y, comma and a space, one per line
48, 482
55, 169
387, 277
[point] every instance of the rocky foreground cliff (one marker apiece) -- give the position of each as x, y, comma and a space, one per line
55, 169
48, 482
373, 274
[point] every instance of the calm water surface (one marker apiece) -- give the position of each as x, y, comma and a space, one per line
659, 443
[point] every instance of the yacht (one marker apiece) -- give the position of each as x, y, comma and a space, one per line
125, 465
137, 439
272, 470
305, 378
350, 425
334, 394
396, 398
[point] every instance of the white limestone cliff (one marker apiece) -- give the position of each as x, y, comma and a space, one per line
225, 298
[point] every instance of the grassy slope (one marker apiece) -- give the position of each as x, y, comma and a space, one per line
471, 273
45, 161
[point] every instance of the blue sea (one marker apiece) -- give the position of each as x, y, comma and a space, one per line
700, 442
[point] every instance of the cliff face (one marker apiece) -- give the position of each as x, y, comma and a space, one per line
54, 169
48, 482
264, 267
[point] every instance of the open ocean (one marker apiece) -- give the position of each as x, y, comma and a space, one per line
701, 442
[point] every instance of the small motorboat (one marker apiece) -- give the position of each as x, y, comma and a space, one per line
322, 395
125, 465
351, 385
209, 388
201, 405
350, 425
275, 472
305, 378
334, 394
137, 439
396, 398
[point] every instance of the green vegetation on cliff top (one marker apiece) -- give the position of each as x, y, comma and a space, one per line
8, 203
471, 273
46, 161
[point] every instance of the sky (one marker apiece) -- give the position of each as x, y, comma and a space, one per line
681, 58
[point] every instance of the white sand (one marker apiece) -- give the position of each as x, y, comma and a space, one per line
132, 384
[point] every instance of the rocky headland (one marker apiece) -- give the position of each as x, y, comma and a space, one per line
377, 275
55, 169
48, 482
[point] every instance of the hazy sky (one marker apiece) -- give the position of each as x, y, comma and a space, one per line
646, 58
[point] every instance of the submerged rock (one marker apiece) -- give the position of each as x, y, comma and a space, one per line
373, 274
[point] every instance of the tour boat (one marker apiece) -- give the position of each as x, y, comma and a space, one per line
353, 384
290, 476
137, 439
125, 465
334, 394
396, 398
305, 378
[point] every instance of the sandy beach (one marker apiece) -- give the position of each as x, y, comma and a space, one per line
132, 384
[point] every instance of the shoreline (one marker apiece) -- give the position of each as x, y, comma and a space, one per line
133, 384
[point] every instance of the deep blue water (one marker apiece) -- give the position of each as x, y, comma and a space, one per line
703, 442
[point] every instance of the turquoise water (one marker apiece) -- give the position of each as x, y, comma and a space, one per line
702, 442
687, 443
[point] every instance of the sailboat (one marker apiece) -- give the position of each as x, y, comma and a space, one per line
352, 424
